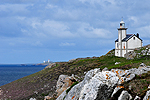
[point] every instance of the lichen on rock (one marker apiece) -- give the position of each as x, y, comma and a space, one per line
104, 85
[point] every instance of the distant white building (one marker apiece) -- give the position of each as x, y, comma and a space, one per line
126, 42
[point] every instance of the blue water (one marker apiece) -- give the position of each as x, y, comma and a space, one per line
9, 73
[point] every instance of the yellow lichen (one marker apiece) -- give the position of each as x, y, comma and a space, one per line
128, 76
107, 76
120, 87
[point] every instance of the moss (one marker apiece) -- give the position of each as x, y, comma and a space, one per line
44, 94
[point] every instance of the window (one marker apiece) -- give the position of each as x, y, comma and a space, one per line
133, 38
122, 25
117, 45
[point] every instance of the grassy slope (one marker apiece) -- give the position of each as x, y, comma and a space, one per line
44, 81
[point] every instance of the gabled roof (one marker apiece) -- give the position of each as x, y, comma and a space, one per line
116, 40
128, 36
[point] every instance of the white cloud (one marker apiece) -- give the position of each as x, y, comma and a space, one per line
24, 31
133, 21
11, 44
20, 18
68, 14
35, 24
50, 28
50, 6
88, 31
14, 8
144, 31
67, 44
37, 43
57, 29
101, 2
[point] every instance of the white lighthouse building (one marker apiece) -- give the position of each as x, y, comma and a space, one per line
126, 42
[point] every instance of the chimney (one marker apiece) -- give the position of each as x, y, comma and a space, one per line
137, 35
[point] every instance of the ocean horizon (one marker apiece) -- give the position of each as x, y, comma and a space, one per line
12, 72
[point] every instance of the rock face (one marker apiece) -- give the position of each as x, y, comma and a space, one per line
130, 55
1, 91
64, 82
47, 98
147, 96
32, 99
125, 96
138, 52
104, 85
50, 65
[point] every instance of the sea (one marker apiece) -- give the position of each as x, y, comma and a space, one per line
12, 72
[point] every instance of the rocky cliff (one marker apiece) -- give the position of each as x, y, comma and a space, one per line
114, 84
108, 85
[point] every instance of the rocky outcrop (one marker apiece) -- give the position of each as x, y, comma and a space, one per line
138, 52
1, 91
104, 85
32, 99
47, 98
124, 96
130, 55
50, 65
147, 96
64, 82
70, 61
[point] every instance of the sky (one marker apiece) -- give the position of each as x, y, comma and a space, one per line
32, 31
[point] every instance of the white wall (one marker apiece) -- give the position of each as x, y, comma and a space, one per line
123, 34
123, 48
117, 53
119, 35
134, 43
116, 47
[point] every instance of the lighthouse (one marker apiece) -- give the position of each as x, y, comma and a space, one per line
126, 42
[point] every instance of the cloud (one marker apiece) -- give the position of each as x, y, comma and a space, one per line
50, 6
17, 1
88, 31
37, 43
99, 2
12, 9
67, 44
133, 20
53, 28
79, 25
145, 31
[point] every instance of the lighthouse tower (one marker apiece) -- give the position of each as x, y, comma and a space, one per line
121, 35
